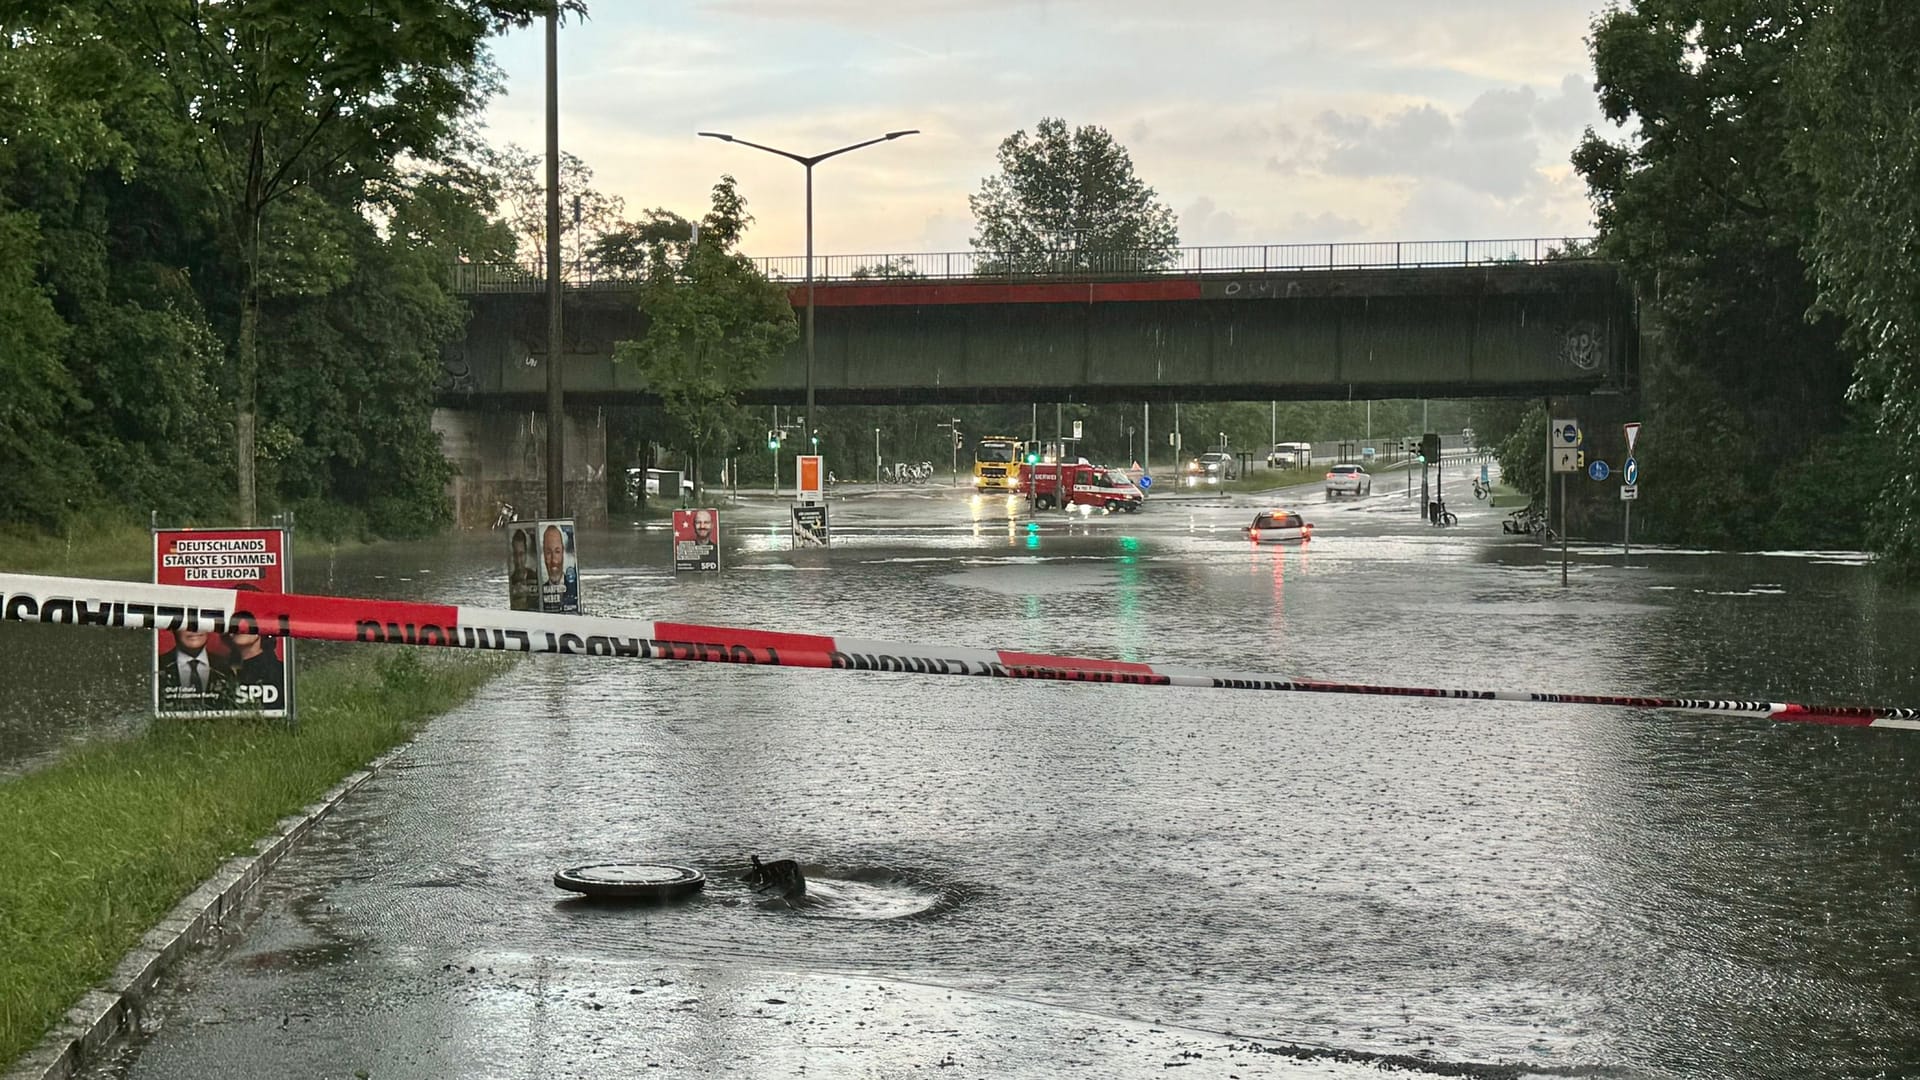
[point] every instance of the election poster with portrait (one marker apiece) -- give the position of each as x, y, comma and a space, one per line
523, 566
559, 567
696, 540
231, 670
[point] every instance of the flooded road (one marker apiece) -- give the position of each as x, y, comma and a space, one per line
1561, 887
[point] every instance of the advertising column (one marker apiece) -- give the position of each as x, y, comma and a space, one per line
234, 670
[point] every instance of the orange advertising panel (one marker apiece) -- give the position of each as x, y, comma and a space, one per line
809, 476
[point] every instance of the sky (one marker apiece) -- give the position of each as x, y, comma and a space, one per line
1257, 121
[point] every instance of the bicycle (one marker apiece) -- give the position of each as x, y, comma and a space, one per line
1438, 514
1480, 490
505, 516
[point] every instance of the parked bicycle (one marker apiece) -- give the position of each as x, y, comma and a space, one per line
1530, 520
1480, 488
1438, 514
505, 516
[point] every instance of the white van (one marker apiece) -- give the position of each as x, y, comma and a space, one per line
1290, 455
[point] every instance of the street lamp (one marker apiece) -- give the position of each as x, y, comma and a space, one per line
809, 163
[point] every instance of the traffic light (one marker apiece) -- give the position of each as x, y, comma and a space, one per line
958, 442
1033, 458
1430, 447
816, 441
773, 439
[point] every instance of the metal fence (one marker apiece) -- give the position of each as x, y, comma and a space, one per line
1082, 265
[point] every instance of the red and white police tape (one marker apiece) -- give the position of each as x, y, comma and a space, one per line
136, 605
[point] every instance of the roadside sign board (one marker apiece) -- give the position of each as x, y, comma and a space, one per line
810, 526
1598, 470
1076, 429
696, 540
1628, 491
1566, 459
1566, 433
1632, 475
232, 670
559, 567
1633, 432
807, 483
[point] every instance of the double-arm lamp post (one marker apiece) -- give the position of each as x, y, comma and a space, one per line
809, 162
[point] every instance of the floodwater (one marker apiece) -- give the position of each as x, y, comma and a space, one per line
1569, 889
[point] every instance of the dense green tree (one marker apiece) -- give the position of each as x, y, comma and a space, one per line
714, 324
269, 100
1860, 144
1068, 199
1702, 204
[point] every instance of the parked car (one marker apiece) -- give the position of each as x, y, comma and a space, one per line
1211, 468
1348, 480
1279, 527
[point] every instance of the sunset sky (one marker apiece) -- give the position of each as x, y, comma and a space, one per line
1257, 121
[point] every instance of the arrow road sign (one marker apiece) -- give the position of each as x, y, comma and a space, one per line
1633, 432
1632, 474
1598, 470
1566, 433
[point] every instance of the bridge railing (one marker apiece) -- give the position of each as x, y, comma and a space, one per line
1081, 265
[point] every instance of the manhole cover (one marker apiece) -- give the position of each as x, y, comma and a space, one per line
657, 881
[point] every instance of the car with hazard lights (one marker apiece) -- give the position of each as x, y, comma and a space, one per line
1211, 468
1279, 527
1348, 480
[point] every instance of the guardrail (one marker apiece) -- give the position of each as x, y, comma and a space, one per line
1082, 265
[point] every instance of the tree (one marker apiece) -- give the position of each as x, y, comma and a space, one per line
1703, 206
1860, 144
268, 99
586, 215
714, 323
1069, 201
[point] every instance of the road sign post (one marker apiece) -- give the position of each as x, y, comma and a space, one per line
1629, 491
1564, 454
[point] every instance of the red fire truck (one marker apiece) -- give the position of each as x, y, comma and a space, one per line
1066, 484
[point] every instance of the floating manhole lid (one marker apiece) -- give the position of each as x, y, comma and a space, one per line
658, 881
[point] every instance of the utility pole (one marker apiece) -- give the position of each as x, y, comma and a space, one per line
556, 405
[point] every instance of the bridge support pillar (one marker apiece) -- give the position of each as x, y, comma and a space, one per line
499, 455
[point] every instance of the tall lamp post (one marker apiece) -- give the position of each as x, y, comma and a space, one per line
809, 163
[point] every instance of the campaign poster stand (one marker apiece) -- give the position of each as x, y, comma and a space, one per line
559, 567
696, 540
230, 670
523, 566
810, 526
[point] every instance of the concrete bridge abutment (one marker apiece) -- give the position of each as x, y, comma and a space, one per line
500, 455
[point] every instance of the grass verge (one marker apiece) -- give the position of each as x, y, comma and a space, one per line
100, 846
111, 549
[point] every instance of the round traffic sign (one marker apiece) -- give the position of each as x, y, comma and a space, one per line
1632, 471
1146, 482
655, 881
1598, 470
1570, 434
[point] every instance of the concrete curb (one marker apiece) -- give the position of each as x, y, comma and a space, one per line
107, 1011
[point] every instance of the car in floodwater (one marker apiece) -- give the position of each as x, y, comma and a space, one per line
1348, 480
1279, 527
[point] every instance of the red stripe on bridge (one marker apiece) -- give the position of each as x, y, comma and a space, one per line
1084, 292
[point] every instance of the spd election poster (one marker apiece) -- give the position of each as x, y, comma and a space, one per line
209, 671
696, 540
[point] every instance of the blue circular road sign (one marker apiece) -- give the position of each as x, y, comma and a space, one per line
1570, 435
1598, 470
1633, 471
1146, 482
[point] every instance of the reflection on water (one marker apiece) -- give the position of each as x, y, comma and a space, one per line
1566, 886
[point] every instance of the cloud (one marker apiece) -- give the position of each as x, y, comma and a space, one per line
1204, 225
